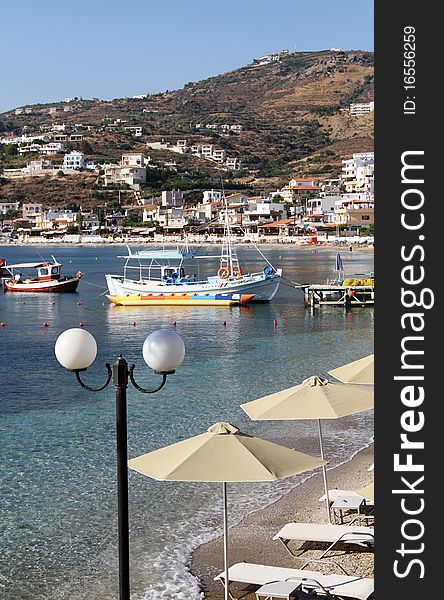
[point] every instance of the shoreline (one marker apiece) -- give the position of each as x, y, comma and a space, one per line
251, 540
137, 242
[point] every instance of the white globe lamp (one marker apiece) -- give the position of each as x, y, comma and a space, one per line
75, 349
163, 351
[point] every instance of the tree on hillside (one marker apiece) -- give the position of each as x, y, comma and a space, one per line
10, 150
85, 147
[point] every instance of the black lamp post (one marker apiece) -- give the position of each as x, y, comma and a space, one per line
163, 351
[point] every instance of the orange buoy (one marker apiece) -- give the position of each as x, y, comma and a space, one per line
133, 323
45, 324
23, 302
2, 324
275, 323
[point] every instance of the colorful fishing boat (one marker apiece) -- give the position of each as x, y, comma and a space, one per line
164, 271
49, 278
183, 299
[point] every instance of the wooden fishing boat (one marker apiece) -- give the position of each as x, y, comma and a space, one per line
49, 278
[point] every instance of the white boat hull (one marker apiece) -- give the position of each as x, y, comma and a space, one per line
264, 287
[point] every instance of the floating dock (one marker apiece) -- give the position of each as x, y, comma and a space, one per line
347, 296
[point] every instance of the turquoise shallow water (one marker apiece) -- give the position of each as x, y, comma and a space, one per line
57, 482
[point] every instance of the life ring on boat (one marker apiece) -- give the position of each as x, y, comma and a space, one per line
223, 273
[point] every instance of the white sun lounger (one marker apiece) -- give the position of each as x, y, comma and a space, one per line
329, 534
334, 494
341, 586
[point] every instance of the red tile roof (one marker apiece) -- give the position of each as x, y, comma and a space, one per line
281, 223
305, 187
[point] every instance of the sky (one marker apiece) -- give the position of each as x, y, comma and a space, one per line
51, 50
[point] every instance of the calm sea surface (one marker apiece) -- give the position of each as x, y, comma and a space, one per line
58, 530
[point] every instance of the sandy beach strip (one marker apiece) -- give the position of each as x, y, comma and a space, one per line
252, 539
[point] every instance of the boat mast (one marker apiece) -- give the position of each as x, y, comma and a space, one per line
228, 257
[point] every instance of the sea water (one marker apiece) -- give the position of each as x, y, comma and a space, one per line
58, 482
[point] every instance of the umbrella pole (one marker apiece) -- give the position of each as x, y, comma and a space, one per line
324, 471
224, 487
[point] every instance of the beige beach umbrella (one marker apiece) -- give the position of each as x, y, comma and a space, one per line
314, 398
223, 454
358, 371
367, 492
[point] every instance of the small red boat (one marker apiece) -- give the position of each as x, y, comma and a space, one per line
49, 278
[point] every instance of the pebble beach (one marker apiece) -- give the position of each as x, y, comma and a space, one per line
251, 540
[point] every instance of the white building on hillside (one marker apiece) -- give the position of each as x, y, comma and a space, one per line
132, 159
358, 173
233, 163
172, 198
219, 155
52, 148
74, 161
59, 219
130, 171
322, 206
361, 108
7, 206
212, 196
33, 213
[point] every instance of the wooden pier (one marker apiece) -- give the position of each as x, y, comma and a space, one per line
348, 296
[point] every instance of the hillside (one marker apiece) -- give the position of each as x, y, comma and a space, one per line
293, 114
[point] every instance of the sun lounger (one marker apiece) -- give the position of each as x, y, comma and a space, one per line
329, 534
336, 586
335, 494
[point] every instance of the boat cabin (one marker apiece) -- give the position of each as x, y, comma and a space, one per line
160, 265
48, 272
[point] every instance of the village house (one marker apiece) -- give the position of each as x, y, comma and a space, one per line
33, 214
233, 163
172, 198
135, 131
303, 187
23, 139
206, 150
7, 206
133, 159
52, 148
322, 206
358, 174
358, 109
262, 210
212, 196
29, 148
39, 167
74, 161
219, 155
58, 219
131, 170
354, 213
